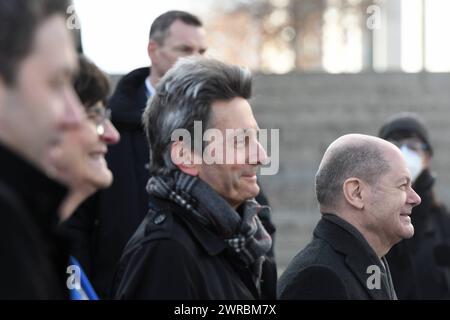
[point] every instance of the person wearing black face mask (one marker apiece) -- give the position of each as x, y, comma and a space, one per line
420, 266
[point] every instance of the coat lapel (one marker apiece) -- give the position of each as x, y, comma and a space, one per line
347, 240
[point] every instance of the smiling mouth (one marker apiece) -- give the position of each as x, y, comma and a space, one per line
97, 154
405, 214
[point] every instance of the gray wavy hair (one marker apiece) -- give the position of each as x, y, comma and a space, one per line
184, 95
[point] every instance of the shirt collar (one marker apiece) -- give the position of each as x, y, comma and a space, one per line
150, 91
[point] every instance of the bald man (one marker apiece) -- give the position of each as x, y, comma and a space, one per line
363, 187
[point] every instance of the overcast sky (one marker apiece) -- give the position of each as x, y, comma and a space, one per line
115, 32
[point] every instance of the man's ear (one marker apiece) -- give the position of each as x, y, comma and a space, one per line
151, 49
353, 190
183, 158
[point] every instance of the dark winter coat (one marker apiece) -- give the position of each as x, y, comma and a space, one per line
337, 264
172, 256
33, 256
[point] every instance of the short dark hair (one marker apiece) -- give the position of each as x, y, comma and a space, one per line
90, 83
19, 20
160, 27
363, 161
185, 95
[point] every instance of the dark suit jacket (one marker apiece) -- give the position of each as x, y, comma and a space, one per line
334, 265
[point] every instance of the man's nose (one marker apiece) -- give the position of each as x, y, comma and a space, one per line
413, 198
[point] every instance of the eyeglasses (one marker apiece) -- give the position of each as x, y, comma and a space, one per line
411, 144
99, 115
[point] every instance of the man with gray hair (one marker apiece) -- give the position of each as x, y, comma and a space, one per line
363, 187
202, 238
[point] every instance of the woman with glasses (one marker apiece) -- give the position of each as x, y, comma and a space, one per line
79, 159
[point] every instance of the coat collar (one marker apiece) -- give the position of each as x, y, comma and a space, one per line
359, 255
39, 194
129, 100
